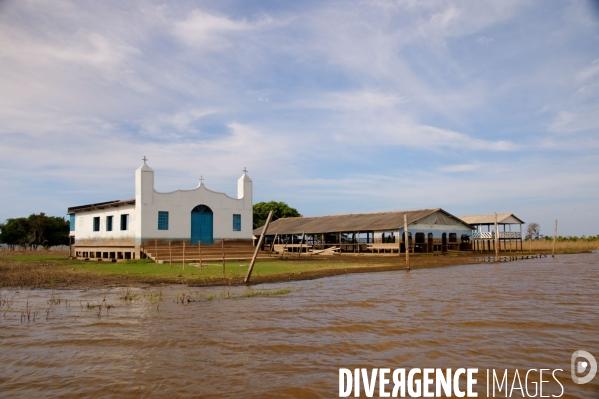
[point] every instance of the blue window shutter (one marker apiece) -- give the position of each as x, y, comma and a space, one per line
72, 221
162, 220
236, 222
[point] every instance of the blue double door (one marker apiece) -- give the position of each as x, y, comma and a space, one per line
202, 225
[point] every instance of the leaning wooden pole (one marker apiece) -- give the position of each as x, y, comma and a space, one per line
496, 239
405, 228
554, 237
249, 273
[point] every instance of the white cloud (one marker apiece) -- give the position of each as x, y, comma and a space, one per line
205, 30
465, 167
310, 90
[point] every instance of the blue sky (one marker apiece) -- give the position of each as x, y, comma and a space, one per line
334, 107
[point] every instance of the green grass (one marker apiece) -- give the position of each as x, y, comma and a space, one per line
210, 271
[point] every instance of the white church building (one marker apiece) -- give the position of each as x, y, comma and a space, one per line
119, 229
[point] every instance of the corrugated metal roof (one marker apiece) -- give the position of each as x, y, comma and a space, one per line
490, 219
381, 221
100, 205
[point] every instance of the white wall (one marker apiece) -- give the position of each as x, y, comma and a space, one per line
84, 224
143, 216
180, 203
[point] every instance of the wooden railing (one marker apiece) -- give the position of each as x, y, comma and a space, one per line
491, 234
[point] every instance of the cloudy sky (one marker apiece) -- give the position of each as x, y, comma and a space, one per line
333, 106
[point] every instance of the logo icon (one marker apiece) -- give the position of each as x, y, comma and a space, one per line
581, 366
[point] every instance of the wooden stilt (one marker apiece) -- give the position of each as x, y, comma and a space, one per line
156, 248
183, 255
200, 253
249, 273
170, 255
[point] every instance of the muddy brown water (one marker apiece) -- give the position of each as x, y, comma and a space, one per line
518, 315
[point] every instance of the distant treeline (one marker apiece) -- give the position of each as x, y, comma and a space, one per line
35, 231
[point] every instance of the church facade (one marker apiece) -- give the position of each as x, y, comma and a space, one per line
120, 229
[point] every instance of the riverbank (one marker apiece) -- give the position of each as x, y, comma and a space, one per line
51, 270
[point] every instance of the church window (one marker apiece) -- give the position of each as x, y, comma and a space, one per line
109, 223
162, 220
236, 222
453, 237
97, 223
72, 221
125, 222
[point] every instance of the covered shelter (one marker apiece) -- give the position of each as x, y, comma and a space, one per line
429, 230
483, 234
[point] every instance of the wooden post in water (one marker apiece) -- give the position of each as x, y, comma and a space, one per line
183, 255
249, 273
405, 228
170, 255
554, 237
223, 246
496, 239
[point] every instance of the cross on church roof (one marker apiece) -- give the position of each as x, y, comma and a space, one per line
201, 179
144, 159
245, 170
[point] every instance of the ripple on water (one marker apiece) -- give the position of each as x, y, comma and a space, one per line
526, 314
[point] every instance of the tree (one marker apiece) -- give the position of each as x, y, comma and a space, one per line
533, 231
280, 210
35, 230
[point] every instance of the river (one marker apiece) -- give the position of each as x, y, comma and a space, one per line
528, 314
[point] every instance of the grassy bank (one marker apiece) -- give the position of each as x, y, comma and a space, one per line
52, 270
563, 246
